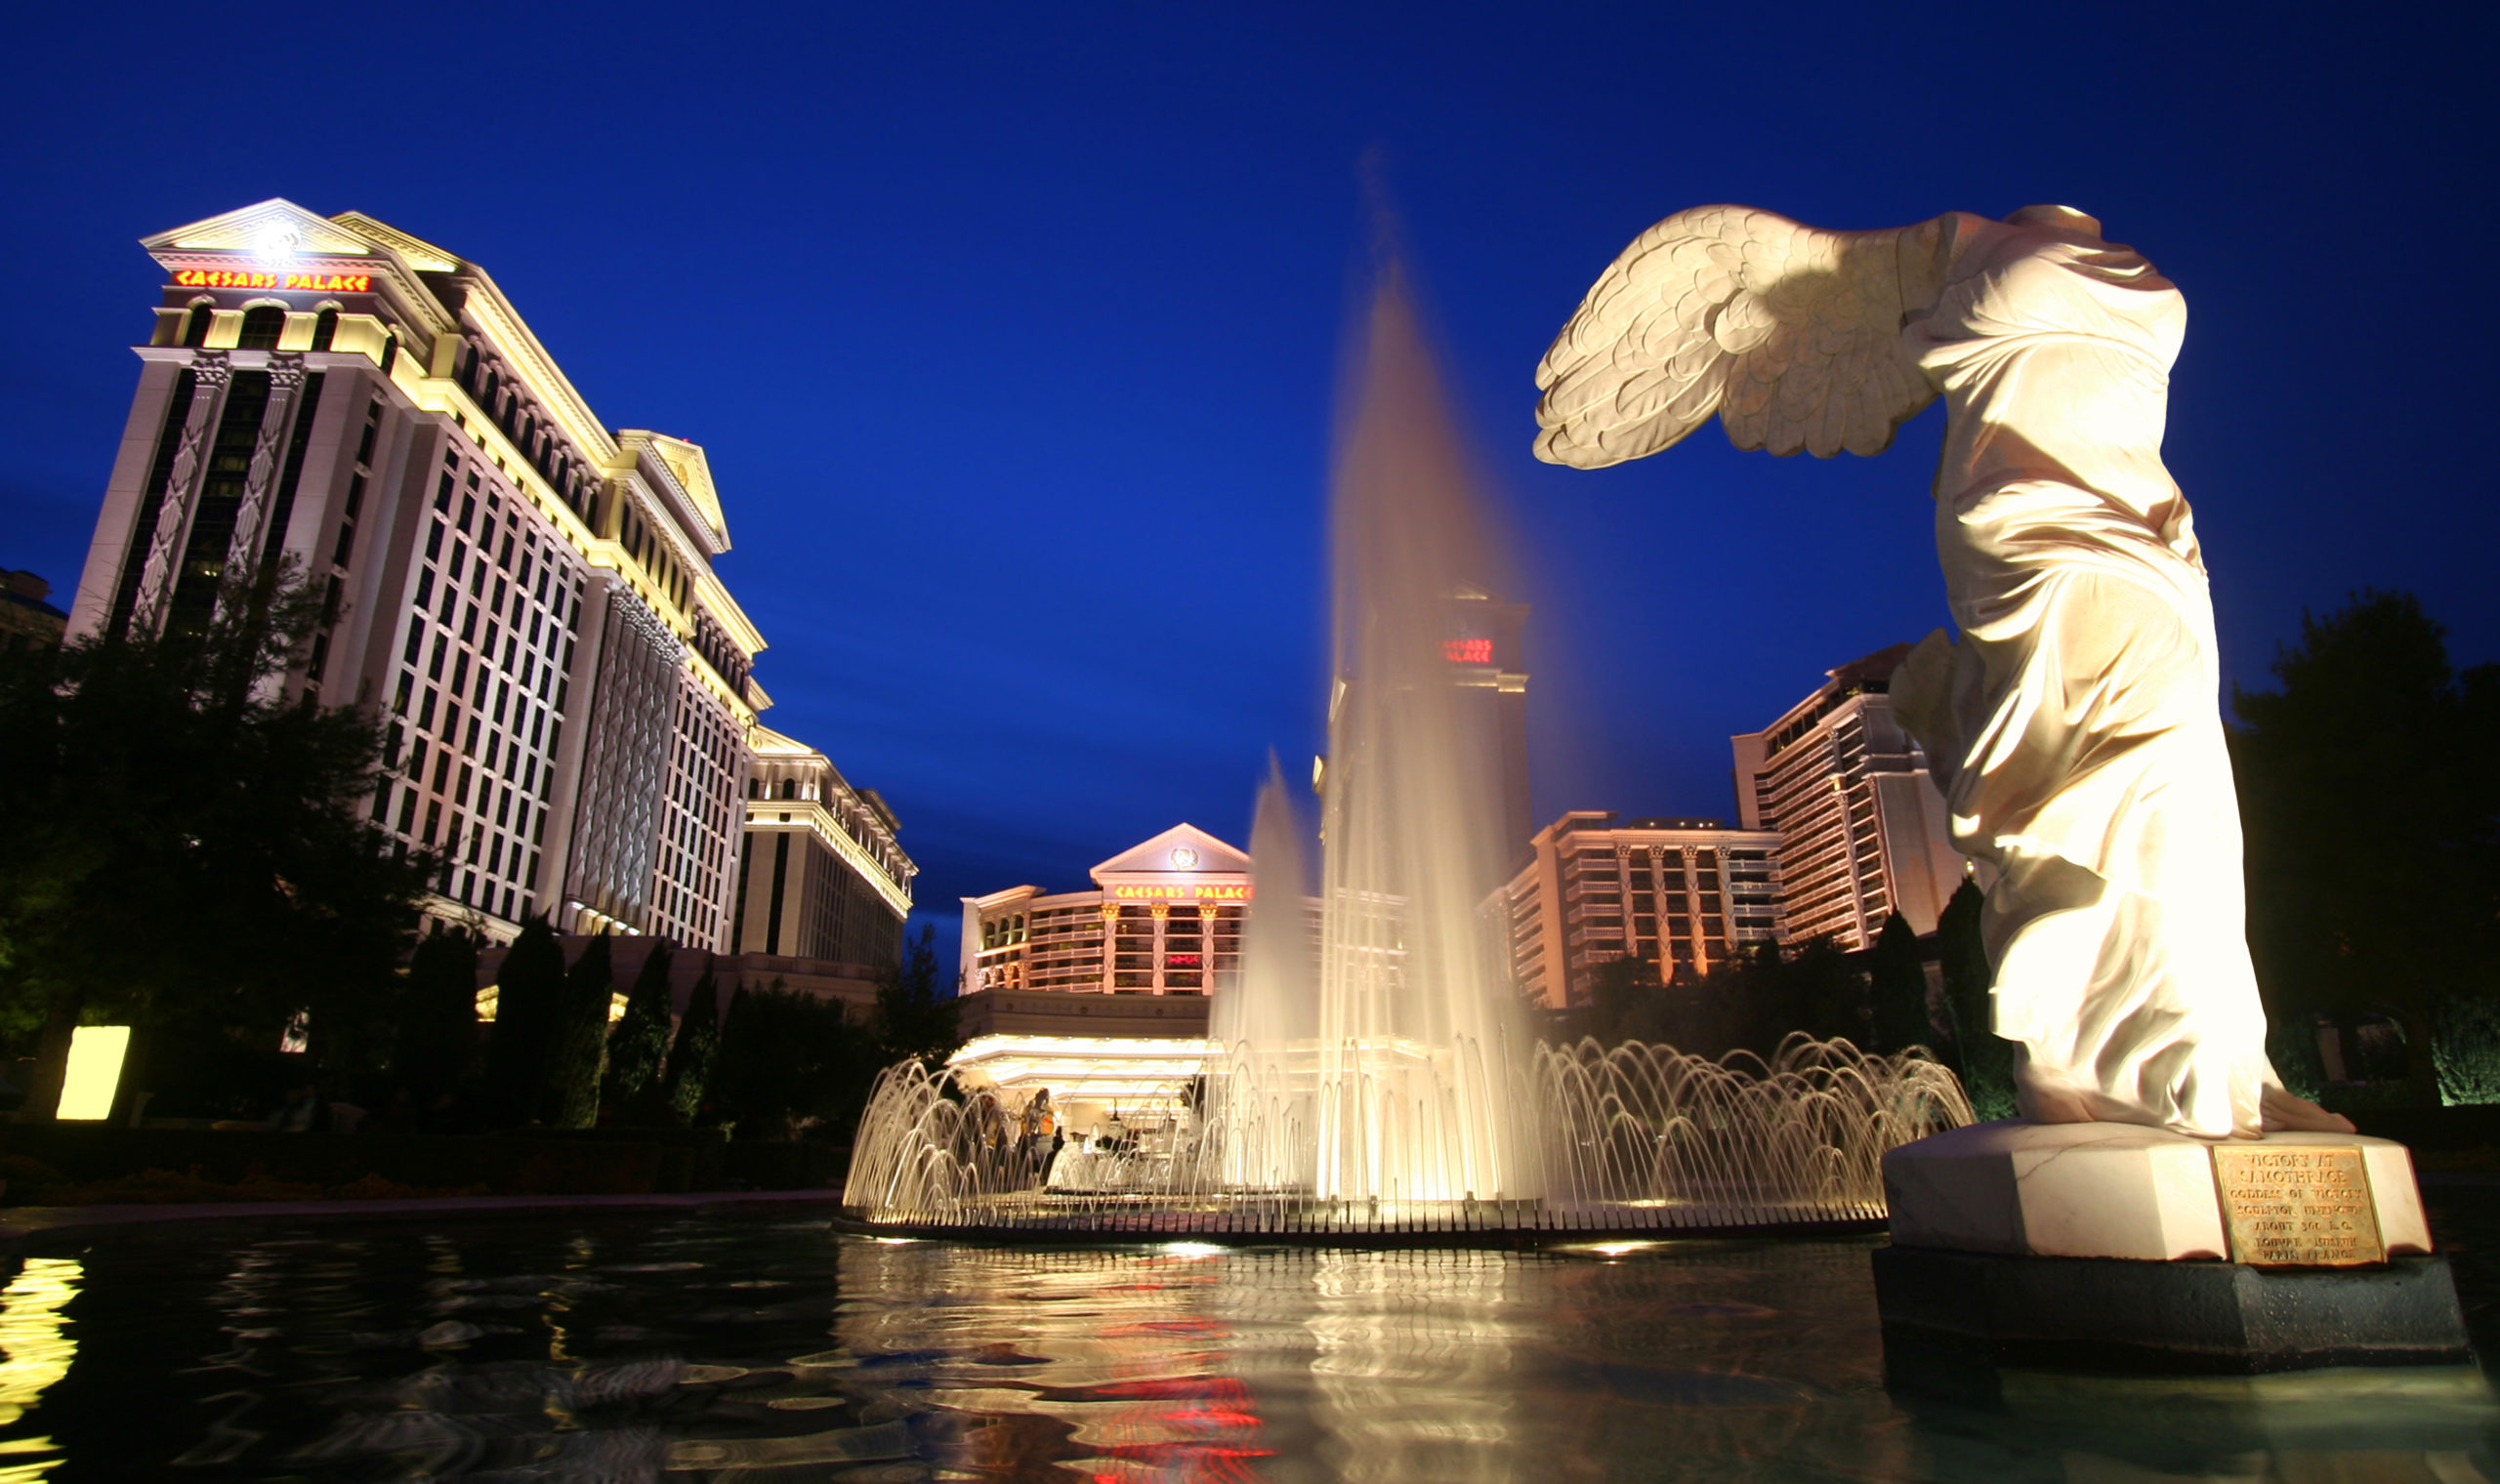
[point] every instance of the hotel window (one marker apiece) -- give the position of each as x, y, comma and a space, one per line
262, 324
196, 329
325, 329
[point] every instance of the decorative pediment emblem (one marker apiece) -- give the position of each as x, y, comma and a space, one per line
275, 231
1182, 848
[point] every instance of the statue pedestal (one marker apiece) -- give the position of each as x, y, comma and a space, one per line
2108, 1246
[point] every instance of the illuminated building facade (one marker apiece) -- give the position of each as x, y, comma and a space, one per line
1863, 828
1686, 894
1164, 919
819, 875
524, 595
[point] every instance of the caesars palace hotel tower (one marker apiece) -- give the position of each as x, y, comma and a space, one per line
525, 597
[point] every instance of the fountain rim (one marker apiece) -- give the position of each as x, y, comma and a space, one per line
848, 1223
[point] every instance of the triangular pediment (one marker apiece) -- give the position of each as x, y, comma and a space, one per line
418, 254
1204, 855
692, 471
276, 228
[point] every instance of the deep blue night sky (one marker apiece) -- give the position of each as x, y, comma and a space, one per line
1010, 329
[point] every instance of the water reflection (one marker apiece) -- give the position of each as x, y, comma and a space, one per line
703, 1350
37, 1351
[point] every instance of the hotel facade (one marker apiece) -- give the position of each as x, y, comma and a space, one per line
1686, 894
523, 594
1861, 825
820, 874
1164, 918
1102, 996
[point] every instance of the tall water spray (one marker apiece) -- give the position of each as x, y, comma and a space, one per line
1420, 1040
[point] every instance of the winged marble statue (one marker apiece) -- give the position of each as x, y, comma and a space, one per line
2076, 728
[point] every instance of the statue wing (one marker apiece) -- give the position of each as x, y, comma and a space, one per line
1790, 333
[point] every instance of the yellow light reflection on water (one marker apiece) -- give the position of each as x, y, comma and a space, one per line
35, 1351
94, 1071
1607, 1249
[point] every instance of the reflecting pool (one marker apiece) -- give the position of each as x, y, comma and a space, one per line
718, 1349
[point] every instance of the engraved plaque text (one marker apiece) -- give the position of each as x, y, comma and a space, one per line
2298, 1206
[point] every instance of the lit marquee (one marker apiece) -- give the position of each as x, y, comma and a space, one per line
1468, 651
238, 279
1181, 891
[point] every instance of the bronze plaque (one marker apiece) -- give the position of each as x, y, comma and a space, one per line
2298, 1206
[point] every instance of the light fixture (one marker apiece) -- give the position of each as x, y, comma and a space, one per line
96, 1054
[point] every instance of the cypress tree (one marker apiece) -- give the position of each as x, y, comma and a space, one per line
530, 992
1901, 988
579, 1042
439, 1015
1986, 1058
637, 1045
697, 1047
911, 1019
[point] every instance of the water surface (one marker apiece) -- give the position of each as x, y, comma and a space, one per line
719, 1349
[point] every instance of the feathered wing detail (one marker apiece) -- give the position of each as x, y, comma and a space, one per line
1791, 334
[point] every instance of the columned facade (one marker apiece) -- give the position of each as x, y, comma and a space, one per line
1165, 918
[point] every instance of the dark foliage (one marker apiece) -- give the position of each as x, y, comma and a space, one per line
1984, 1061
687, 1080
529, 993
1749, 1002
791, 1063
638, 1044
188, 850
579, 1048
2371, 804
1628, 1001
911, 1019
1899, 978
437, 1015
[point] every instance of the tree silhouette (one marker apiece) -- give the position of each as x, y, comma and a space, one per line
637, 1045
578, 1046
697, 1047
188, 848
2371, 805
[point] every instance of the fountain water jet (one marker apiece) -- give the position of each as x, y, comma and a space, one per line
1383, 1083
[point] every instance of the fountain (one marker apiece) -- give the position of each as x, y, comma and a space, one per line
1377, 1078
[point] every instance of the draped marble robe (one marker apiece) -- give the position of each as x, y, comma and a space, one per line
2076, 729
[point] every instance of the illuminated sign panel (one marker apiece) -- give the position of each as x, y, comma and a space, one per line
1468, 651
230, 278
1178, 892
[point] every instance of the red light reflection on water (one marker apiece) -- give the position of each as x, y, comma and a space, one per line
1186, 1430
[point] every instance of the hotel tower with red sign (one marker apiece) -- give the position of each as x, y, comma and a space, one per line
524, 596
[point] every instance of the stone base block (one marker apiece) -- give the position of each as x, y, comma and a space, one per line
2107, 1190
2105, 1313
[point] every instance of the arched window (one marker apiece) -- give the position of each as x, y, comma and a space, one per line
262, 324
390, 351
325, 329
196, 328
789, 788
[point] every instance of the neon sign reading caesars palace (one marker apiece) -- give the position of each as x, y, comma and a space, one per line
1180, 891
230, 278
